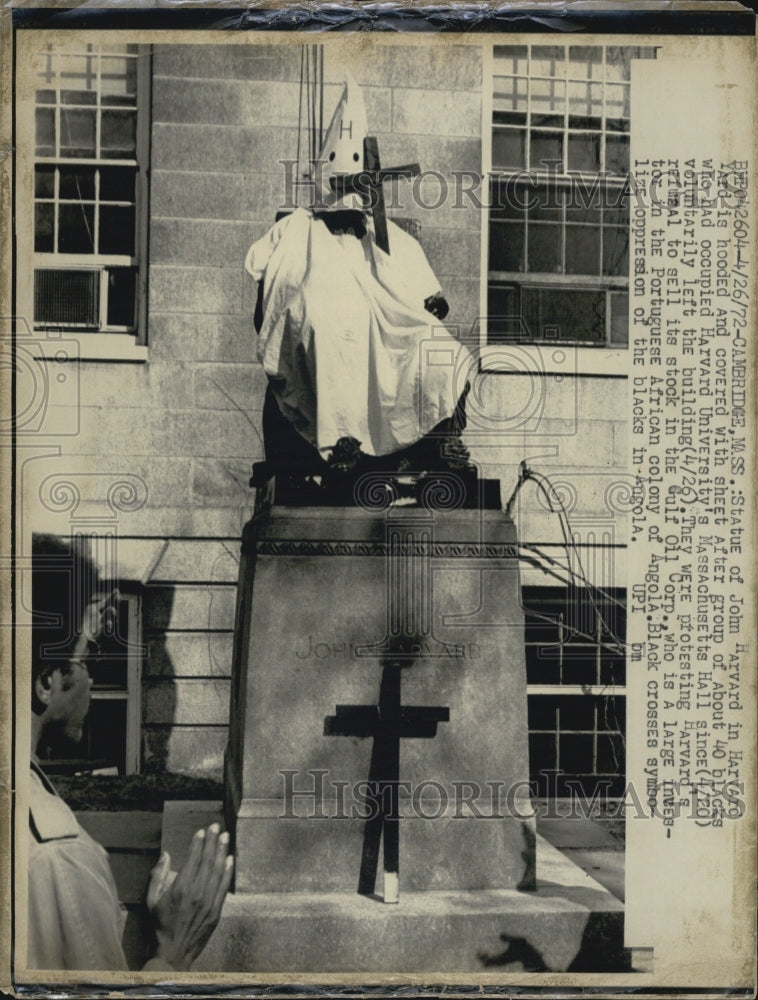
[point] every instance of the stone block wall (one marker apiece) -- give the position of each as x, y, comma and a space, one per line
572, 430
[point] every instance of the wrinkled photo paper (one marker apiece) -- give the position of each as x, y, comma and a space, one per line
395, 390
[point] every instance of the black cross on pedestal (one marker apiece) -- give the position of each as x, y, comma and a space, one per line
369, 183
388, 723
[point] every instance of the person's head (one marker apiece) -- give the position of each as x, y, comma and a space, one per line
67, 606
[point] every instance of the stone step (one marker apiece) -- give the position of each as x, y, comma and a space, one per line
570, 923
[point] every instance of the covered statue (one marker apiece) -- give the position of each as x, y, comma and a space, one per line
362, 373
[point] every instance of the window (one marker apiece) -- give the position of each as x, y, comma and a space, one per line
90, 189
576, 674
559, 223
111, 740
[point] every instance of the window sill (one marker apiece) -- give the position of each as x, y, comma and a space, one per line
72, 346
554, 359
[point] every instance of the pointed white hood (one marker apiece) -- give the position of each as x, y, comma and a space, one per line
342, 151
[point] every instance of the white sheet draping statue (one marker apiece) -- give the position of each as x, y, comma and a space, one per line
362, 373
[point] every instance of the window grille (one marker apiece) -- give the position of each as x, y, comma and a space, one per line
111, 733
90, 188
558, 221
576, 674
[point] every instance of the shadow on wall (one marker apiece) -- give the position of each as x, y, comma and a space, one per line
158, 686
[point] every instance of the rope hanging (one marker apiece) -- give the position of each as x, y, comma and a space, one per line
310, 115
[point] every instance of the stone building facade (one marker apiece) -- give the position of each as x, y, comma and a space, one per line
171, 409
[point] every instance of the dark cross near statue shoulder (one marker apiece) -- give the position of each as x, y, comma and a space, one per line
369, 182
387, 723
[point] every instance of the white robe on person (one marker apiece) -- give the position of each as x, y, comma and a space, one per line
75, 920
346, 340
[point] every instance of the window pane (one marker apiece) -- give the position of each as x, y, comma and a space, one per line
509, 117
44, 131
546, 148
77, 72
118, 101
586, 61
77, 133
616, 208
643, 51
620, 319
105, 734
542, 754
611, 713
511, 59
503, 314
78, 97
584, 202
509, 94
44, 215
76, 224
577, 712
42, 65
543, 664
117, 184
576, 754
77, 183
610, 754
614, 615
118, 132
615, 251
543, 625
584, 152
45, 96
509, 199
118, 80
579, 670
617, 125
508, 148
506, 246
612, 668
548, 102
116, 233
585, 105
548, 60
540, 120
544, 248
44, 182
617, 154
580, 616
108, 667
122, 283
543, 712
617, 101
546, 203
618, 62
582, 249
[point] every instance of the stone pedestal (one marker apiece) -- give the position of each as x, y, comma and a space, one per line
375, 649
372, 643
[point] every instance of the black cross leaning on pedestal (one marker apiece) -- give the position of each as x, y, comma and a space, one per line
369, 184
387, 723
